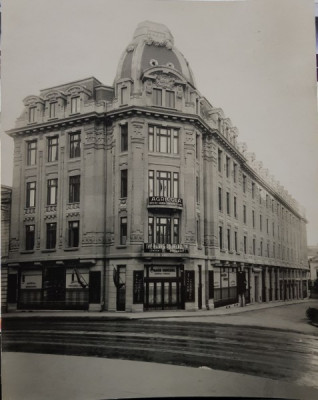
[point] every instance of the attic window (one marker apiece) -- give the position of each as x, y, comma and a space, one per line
153, 62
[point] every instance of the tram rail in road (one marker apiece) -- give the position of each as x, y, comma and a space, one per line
269, 353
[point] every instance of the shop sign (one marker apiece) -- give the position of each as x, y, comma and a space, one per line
165, 248
165, 201
162, 271
31, 281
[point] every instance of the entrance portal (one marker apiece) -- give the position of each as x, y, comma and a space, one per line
54, 288
163, 288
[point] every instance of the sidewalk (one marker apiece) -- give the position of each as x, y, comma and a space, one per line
53, 377
280, 315
228, 310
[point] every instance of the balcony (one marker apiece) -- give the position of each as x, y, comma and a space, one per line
175, 203
165, 248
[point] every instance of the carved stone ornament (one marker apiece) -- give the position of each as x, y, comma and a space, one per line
137, 129
93, 238
179, 92
189, 237
130, 48
165, 81
137, 236
14, 244
158, 42
148, 86
54, 95
210, 240
72, 206
109, 238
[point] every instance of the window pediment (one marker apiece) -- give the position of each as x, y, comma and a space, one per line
77, 89
54, 95
31, 101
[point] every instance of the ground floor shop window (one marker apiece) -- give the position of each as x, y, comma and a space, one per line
225, 286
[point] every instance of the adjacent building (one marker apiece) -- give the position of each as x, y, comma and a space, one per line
138, 196
5, 234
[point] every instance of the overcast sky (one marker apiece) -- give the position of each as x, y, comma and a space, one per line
254, 59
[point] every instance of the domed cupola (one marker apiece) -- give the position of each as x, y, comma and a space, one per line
152, 48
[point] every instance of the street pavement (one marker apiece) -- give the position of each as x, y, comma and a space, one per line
55, 377
285, 315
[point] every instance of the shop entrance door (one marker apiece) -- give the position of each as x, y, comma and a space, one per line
163, 293
54, 288
256, 288
200, 288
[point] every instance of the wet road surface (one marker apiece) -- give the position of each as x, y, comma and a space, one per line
269, 353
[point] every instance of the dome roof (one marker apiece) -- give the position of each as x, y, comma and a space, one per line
152, 45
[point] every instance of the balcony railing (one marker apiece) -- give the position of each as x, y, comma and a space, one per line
165, 248
165, 202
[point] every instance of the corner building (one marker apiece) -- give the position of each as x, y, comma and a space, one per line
138, 197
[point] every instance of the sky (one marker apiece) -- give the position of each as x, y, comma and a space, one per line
254, 59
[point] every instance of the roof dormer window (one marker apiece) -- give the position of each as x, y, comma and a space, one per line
75, 105
52, 109
32, 114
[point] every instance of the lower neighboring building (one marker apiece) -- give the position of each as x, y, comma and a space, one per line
139, 197
5, 234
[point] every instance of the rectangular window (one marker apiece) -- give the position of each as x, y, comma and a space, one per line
220, 160
260, 196
52, 108
261, 248
123, 230
29, 237
164, 183
234, 172
227, 166
124, 95
51, 192
198, 232
253, 218
176, 231
124, 137
197, 189
228, 203
245, 245
235, 241
31, 152
268, 250
151, 183
175, 184
197, 146
274, 250
260, 222
235, 207
272, 205
273, 227
254, 246
30, 194
163, 140
51, 235
32, 111
220, 199
52, 149
74, 189
267, 227
75, 145
244, 183
163, 230
220, 237
123, 183
244, 214
75, 105
151, 230
157, 97
229, 239
253, 190
73, 233
267, 201
170, 99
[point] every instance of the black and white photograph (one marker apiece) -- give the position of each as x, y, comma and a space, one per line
159, 199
